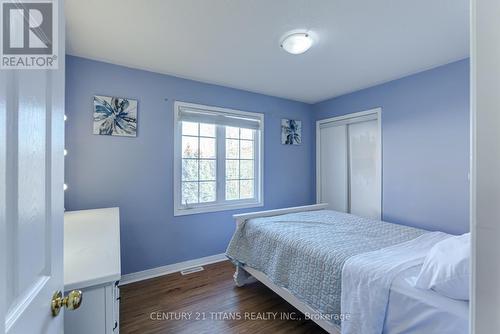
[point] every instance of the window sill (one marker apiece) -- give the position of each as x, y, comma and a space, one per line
216, 208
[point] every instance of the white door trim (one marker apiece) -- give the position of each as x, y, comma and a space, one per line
472, 168
375, 113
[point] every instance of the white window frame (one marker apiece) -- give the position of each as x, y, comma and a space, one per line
221, 204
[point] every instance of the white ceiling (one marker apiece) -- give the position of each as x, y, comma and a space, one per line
235, 43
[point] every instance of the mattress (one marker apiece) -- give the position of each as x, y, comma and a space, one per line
411, 310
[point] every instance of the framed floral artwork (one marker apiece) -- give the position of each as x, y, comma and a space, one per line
115, 116
291, 132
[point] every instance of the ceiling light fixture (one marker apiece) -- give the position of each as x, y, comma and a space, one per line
297, 43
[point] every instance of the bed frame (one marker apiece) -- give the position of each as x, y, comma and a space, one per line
246, 275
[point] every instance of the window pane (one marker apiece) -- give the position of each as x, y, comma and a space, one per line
189, 192
207, 130
190, 128
207, 192
189, 170
232, 149
246, 134
232, 132
232, 191
246, 189
207, 170
189, 147
232, 169
207, 148
246, 151
246, 169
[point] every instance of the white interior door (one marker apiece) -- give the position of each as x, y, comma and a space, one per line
31, 196
334, 167
364, 180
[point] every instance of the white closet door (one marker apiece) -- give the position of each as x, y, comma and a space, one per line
334, 167
364, 180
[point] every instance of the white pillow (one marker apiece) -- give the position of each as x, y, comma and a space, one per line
446, 268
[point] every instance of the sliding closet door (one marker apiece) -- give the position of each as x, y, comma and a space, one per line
364, 180
333, 167
349, 163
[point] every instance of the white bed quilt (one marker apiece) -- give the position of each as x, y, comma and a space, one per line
367, 279
411, 310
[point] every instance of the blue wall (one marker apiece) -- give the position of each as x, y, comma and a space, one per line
425, 122
425, 145
136, 173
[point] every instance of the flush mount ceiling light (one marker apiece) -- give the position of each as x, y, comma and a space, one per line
297, 43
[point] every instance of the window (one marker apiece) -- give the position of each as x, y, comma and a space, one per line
198, 163
240, 162
218, 159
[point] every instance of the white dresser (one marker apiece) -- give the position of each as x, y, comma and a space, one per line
92, 265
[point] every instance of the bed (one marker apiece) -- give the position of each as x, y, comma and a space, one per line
323, 261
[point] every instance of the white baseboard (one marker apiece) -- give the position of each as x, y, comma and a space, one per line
170, 269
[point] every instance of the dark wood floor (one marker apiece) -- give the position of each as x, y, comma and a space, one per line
148, 306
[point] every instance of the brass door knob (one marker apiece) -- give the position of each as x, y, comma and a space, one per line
72, 301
